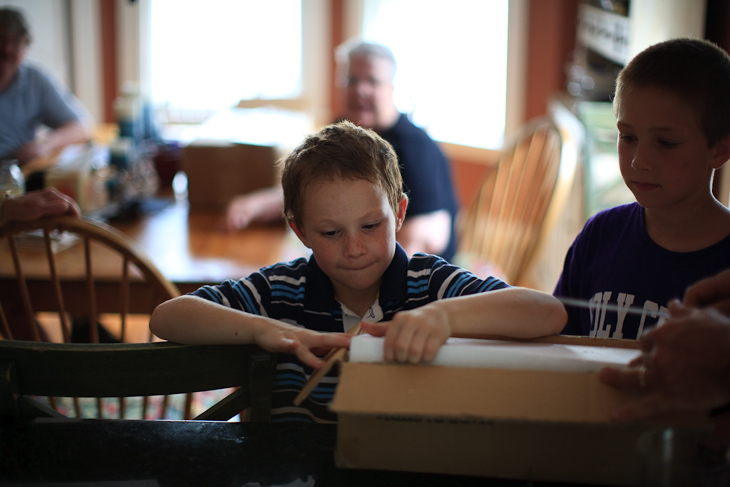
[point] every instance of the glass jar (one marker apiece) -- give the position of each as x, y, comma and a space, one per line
11, 178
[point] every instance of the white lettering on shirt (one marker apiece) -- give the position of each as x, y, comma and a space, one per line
653, 310
599, 302
598, 306
624, 303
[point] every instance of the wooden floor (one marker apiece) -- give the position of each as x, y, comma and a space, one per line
136, 328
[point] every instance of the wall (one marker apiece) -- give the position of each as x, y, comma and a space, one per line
552, 27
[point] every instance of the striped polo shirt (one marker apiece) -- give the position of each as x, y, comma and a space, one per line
299, 293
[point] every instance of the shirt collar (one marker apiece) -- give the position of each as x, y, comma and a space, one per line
320, 295
21, 78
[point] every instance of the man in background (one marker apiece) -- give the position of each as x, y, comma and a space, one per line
29, 99
431, 213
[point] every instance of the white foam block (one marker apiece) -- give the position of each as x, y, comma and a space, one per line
458, 352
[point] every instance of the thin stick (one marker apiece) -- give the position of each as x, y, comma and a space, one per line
335, 355
632, 310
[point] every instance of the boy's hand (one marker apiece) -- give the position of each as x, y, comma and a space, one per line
412, 336
301, 342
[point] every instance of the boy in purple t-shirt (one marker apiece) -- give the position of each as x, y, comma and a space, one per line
671, 105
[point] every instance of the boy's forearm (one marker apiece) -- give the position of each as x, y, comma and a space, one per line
513, 312
193, 320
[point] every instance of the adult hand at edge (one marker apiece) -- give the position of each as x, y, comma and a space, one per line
687, 362
38, 204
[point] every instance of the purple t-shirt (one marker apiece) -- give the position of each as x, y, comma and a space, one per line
613, 261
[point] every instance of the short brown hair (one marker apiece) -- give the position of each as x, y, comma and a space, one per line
12, 21
341, 150
695, 70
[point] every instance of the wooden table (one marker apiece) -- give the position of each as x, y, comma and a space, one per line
189, 248
192, 248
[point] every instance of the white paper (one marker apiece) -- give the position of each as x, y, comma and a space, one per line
506, 354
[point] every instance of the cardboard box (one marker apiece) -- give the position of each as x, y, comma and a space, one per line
235, 152
219, 170
508, 423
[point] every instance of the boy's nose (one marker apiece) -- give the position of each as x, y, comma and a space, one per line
640, 160
353, 246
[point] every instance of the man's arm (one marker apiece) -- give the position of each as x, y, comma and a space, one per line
72, 132
429, 233
264, 205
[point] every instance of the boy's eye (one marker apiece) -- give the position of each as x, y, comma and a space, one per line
371, 226
626, 138
329, 234
667, 144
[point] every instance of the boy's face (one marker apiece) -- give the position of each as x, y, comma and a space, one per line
350, 227
662, 150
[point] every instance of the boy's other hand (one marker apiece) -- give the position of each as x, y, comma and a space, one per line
412, 336
305, 344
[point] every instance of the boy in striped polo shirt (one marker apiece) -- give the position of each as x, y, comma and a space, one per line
343, 199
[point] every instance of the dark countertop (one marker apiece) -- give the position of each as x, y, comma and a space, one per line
129, 452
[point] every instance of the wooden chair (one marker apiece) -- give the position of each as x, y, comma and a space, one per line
518, 203
106, 273
103, 277
128, 370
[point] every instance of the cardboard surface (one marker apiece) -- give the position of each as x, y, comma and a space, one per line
518, 450
523, 424
219, 170
424, 390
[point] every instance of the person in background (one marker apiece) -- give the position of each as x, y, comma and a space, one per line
685, 363
343, 198
29, 99
36, 204
672, 103
426, 172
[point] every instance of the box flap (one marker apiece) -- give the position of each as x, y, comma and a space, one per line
507, 354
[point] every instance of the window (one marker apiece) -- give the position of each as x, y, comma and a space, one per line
452, 64
452, 58
209, 55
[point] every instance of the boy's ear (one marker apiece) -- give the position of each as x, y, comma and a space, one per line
401, 216
298, 232
722, 152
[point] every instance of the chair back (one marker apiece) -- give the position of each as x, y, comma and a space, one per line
518, 203
29, 369
105, 272
62, 294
